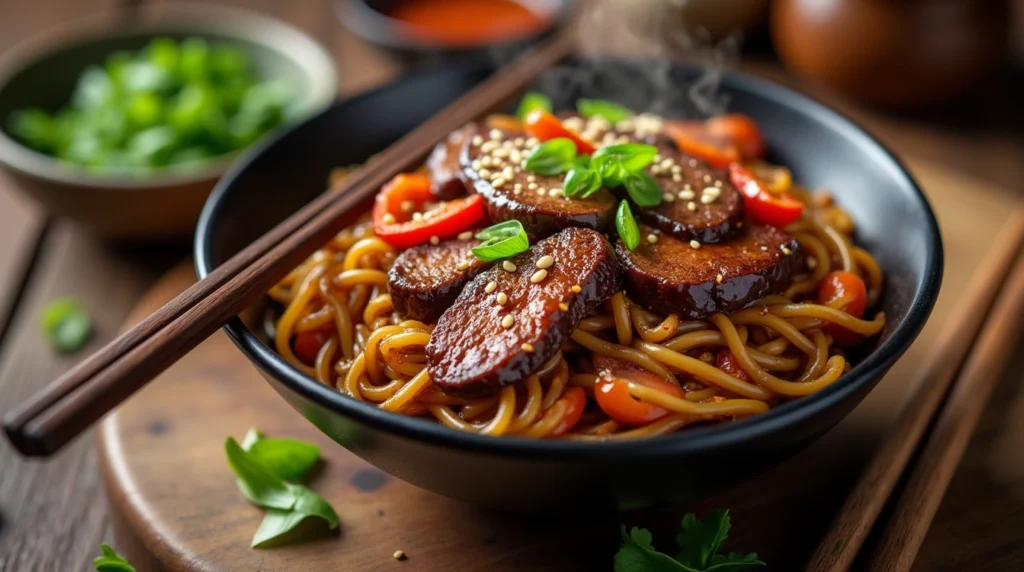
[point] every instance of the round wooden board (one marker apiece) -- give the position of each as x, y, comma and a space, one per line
176, 507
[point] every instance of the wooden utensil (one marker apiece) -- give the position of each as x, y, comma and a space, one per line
840, 546
930, 477
64, 408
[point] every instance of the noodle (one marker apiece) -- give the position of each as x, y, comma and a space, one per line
780, 344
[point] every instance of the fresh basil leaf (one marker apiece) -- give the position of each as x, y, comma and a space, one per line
553, 157
278, 522
632, 156
250, 439
111, 561
289, 459
611, 170
533, 100
636, 554
257, 483
626, 226
582, 182
699, 541
642, 188
602, 108
582, 160
502, 240
66, 324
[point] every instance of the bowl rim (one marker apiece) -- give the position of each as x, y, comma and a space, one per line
693, 441
237, 24
378, 28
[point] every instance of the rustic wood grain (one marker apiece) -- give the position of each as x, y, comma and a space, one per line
21, 227
52, 515
931, 473
445, 535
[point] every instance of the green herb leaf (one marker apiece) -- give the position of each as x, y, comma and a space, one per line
257, 483
632, 156
289, 459
626, 226
502, 240
582, 182
638, 555
698, 541
250, 439
553, 157
599, 107
533, 100
582, 161
277, 522
642, 188
733, 562
66, 324
111, 561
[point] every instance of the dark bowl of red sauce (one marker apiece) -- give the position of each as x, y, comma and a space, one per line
428, 29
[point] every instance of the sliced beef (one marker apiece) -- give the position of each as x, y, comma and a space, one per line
699, 203
493, 166
671, 276
426, 279
443, 166
480, 345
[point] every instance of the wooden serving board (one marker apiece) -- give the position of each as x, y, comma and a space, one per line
176, 506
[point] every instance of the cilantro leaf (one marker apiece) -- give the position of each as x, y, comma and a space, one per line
698, 541
638, 555
733, 562
111, 561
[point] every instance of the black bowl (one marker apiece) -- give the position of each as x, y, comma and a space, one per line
824, 149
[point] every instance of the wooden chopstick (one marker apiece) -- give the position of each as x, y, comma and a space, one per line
945, 445
64, 408
837, 550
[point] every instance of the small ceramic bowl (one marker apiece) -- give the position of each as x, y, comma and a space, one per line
42, 72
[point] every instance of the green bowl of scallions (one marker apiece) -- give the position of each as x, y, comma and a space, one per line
125, 123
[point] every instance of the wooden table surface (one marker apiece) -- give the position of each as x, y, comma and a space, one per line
53, 514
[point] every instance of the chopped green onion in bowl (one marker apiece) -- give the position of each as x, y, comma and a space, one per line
169, 105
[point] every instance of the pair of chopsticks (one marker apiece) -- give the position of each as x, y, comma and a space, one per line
972, 371
64, 408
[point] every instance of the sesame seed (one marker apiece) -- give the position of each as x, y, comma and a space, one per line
555, 193
435, 240
502, 298
531, 178
527, 348
693, 162
478, 140
718, 184
518, 141
694, 244
407, 206
708, 199
691, 206
389, 218
417, 216
507, 321
491, 287
487, 161
508, 173
719, 278
476, 164
539, 275
657, 157
652, 238
545, 261
463, 265
667, 163
399, 555
489, 146
676, 169
668, 197
495, 135
515, 156
764, 249
532, 142
517, 187
500, 152
676, 177
655, 170
542, 191
576, 289
517, 191
563, 307
531, 186
707, 178
812, 263
508, 266
485, 173
466, 235
786, 250
498, 181
687, 195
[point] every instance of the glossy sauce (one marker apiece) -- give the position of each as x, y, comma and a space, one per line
469, 22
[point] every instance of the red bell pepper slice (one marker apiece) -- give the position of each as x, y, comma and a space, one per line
545, 126
395, 225
762, 206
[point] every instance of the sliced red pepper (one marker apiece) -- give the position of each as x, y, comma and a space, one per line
613, 395
741, 130
693, 138
727, 362
395, 226
575, 400
776, 210
839, 285
307, 345
545, 126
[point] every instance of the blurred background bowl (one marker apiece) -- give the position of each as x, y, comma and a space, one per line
163, 204
381, 23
